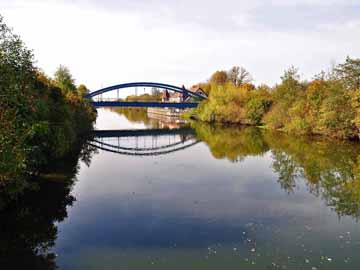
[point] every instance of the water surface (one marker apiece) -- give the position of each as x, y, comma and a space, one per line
236, 198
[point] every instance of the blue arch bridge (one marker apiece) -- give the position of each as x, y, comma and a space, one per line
188, 98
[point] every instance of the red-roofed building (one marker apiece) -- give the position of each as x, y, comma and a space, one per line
179, 97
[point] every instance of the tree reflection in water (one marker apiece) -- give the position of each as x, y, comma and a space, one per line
330, 169
29, 213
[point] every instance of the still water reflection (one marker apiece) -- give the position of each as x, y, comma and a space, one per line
239, 198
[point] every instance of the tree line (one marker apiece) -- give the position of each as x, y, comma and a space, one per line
329, 104
41, 118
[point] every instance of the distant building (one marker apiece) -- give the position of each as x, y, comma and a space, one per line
198, 90
179, 97
176, 97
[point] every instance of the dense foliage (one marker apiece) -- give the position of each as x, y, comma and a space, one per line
328, 105
40, 118
145, 97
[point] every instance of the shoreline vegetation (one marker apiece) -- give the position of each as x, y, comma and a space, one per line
43, 120
328, 105
44, 124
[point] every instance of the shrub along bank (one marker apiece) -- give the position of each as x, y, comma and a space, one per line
41, 118
327, 105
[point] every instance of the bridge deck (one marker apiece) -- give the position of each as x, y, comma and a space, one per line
144, 104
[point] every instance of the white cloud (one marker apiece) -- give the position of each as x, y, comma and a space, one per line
108, 42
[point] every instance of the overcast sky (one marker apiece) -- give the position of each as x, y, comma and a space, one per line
183, 42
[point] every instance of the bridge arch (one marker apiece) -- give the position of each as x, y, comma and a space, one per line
182, 90
141, 153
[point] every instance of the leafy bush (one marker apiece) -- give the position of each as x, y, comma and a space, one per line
230, 104
39, 121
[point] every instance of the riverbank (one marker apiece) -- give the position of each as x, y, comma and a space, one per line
328, 106
42, 119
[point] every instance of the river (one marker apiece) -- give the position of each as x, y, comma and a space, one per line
206, 197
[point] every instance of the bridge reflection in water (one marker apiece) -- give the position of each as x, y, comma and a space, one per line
144, 142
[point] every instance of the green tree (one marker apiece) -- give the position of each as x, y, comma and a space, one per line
219, 77
349, 73
258, 104
64, 80
31, 109
82, 90
355, 102
336, 113
284, 95
17, 104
